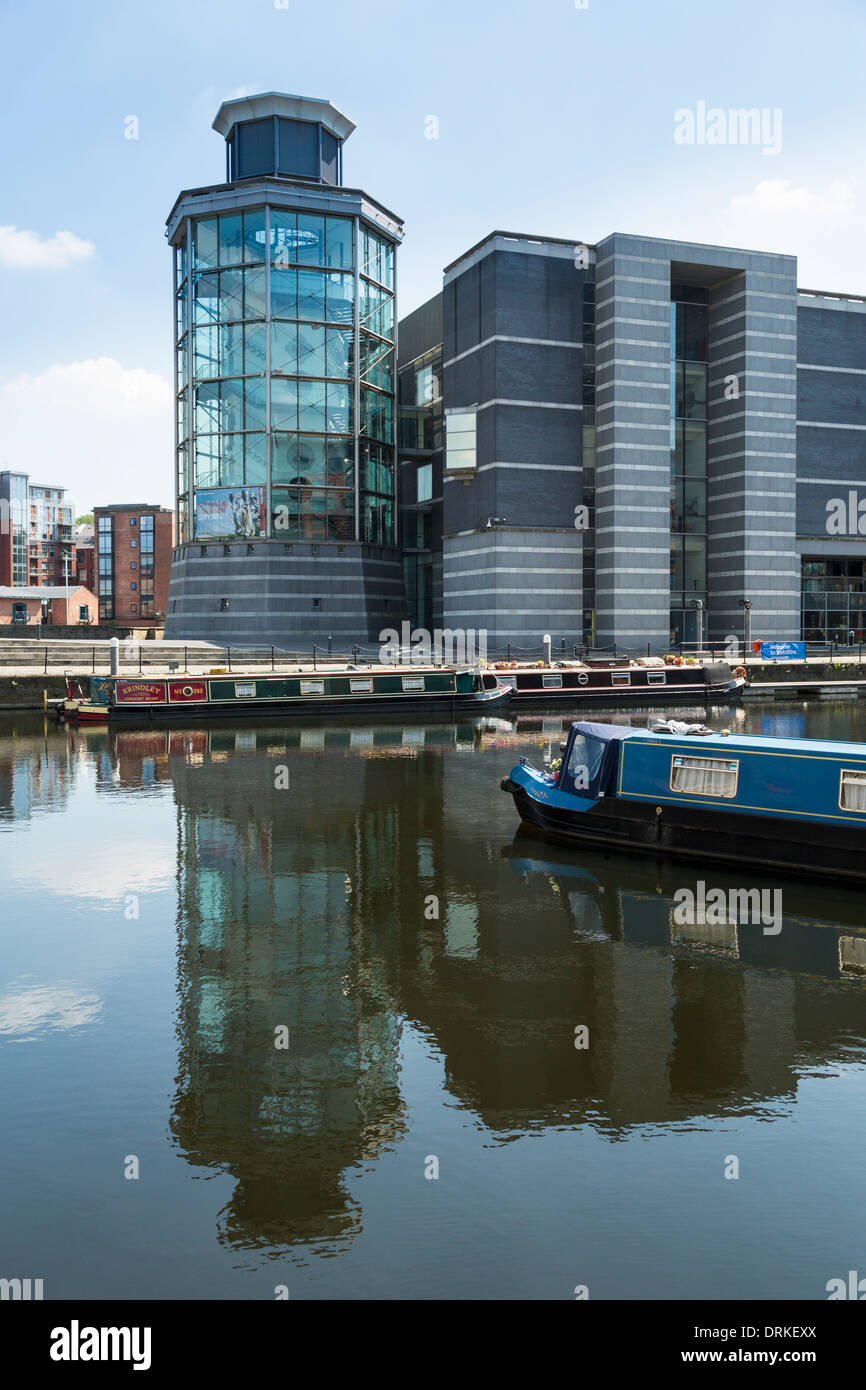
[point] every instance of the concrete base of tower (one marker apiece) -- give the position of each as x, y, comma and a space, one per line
288, 595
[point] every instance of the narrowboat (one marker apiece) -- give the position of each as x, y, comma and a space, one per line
647, 680
643, 910
174, 697
779, 803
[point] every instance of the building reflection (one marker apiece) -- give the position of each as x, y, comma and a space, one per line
37, 770
304, 908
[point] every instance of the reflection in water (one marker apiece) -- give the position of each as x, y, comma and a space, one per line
384, 893
27, 1011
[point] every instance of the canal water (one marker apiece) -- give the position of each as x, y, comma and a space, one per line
295, 1010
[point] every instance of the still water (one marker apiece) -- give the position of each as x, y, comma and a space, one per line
172, 911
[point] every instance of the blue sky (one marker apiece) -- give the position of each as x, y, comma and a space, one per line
552, 120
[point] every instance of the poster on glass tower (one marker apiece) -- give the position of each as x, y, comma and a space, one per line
229, 511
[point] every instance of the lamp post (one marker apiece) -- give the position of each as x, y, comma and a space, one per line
698, 606
746, 605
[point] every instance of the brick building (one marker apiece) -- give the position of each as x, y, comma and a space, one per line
85, 556
134, 544
49, 604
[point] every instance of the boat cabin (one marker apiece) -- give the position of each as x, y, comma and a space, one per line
793, 779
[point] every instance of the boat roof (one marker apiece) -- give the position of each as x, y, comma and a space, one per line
609, 733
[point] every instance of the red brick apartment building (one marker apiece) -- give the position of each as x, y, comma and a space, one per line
85, 557
134, 543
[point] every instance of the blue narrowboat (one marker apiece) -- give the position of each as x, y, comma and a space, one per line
781, 803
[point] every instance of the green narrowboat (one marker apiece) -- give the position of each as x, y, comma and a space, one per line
161, 698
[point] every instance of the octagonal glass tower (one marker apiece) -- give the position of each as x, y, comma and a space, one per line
285, 329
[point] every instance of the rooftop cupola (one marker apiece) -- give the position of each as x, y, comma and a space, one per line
272, 133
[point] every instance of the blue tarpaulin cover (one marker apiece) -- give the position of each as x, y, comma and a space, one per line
607, 733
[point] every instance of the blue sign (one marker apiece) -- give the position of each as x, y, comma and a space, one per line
783, 651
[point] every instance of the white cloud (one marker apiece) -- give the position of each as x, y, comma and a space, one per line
27, 1012
23, 250
103, 430
780, 215
777, 197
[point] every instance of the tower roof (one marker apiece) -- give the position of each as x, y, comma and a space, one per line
294, 108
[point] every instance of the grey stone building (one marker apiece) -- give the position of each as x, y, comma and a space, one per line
627, 430
285, 314
590, 441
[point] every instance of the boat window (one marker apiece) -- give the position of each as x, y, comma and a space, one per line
852, 790
312, 687
360, 687
621, 678
704, 776
551, 682
584, 761
413, 682
242, 689
508, 680
656, 677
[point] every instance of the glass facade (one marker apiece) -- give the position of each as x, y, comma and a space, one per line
588, 455
105, 577
421, 441
834, 599
145, 565
285, 378
16, 497
688, 455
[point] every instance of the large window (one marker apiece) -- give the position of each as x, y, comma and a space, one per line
460, 439
105, 565
834, 599
688, 459
146, 551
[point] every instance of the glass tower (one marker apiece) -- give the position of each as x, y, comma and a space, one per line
285, 338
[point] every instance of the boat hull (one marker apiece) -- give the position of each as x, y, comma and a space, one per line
638, 827
622, 683
161, 699
252, 709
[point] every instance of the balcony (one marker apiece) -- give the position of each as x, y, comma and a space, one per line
416, 430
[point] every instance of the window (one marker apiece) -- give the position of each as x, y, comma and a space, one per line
19, 612
852, 790
132, 564
245, 689
460, 440
413, 682
656, 677
584, 761
312, 687
551, 682
84, 613
360, 687
704, 776
426, 386
620, 678
132, 521
425, 482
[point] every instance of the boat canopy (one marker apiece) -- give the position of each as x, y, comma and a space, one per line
606, 733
